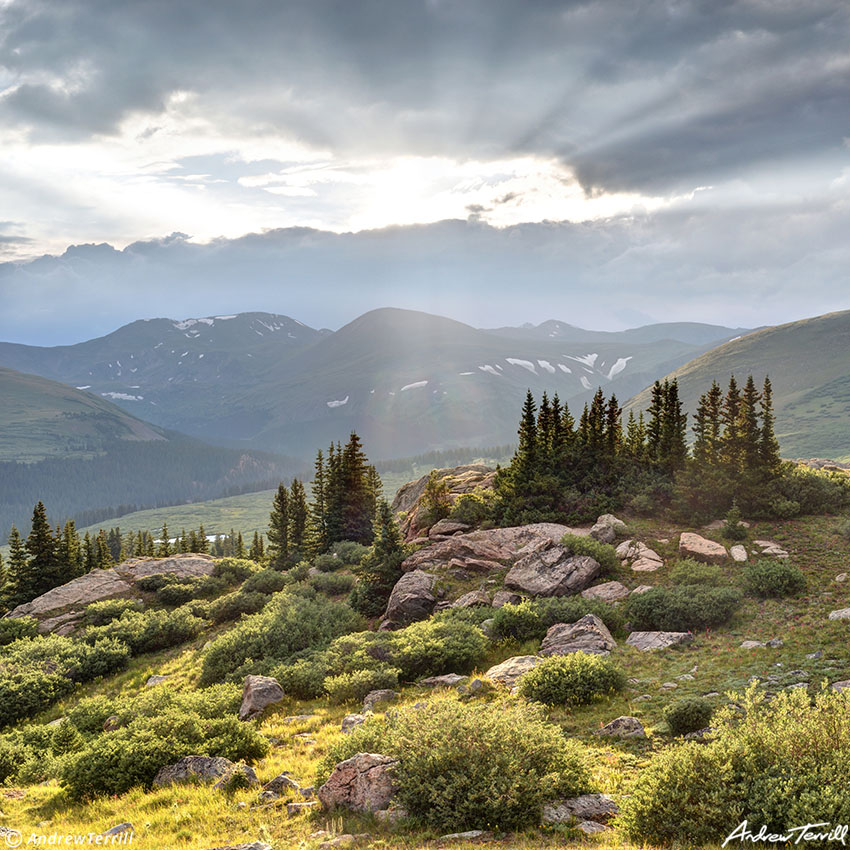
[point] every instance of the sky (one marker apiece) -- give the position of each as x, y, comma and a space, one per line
604, 163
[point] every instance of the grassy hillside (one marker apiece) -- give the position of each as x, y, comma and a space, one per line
814, 651
809, 365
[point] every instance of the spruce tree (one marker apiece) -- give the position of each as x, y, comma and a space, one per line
381, 567
730, 444
635, 439
768, 444
16, 568
656, 419
70, 553
613, 428
240, 546
545, 429
103, 554
3, 583
358, 497
748, 427
164, 549
89, 554
526, 452
43, 571
674, 447
318, 520
298, 517
203, 543
257, 552
279, 530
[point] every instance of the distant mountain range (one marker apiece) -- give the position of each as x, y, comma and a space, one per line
409, 382
809, 367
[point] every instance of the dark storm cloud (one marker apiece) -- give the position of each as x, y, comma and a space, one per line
656, 95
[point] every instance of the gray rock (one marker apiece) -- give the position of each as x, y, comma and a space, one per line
648, 641
373, 698
62, 625
813, 656
611, 592
701, 549
94, 586
193, 768
589, 634
254, 845
738, 553
840, 614
603, 533
669, 686
471, 599
639, 556
505, 597
258, 693
469, 835
641, 588
412, 598
239, 776
699, 735
841, 577
449, 680
589, 807
119, 828
552, 571
623, 727
752, 644
488, 627
841, 686
278, 786
771, 549
362, 783
776, 643
155, 680
351, 721
591, 827
293, 809
508, 672
446, 528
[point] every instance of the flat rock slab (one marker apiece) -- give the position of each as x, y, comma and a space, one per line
362, 783
193, 768
254, 845
840, 614
623, 727
182, 566
448, 680
553, 571
472, 599
771, 549
648, 641
508, 672
92, 587
589, 807
507, 597
611, 591
841, 686
446, 528
589, 634
701, 549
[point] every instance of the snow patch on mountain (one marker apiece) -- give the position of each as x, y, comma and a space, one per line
525, 364
585, 383
414, 385
545, 364
337, 402
618, 367
587, 359
123, 396
490, 369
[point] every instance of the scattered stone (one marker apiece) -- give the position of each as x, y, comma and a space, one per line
111, 723
119, 828
469, 835
753, 644
771, 549
641, 588
797, 685
553, 571
304, 737
648, 641
258, 693
510, 670
840, 614
591, 827
699, 734
589, 807
346, 840
505, 597
362, 783
841, 686
412, 598
155, 680
297, 718
604, 533
611, 592
642, 698
776, 643
279, 785
841, 577
639, 556
589, 634
685, 677
392, 815
374, 698
718, 524
711, 694
700, 549
623, 727
254, 845
813, 656
487, 627
193, 768
471, 599
293, 809
62, 625
669, 686
738, 553
478, 686
449, 680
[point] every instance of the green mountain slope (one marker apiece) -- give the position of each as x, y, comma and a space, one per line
809, 365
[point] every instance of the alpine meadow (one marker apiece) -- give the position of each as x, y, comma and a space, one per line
424, 424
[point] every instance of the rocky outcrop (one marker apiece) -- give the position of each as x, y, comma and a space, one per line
448, 680
606, 528
351, 721
181, 566
648, 641
506, 597
589, 634
377, 697
623, 727
610, 592
193, 769
239, 776
92, 587
459, 479
769, 549
258, 693
700, 548
552, 571
472, 599
639, 556
362, 783
411, 598
599, 808
446, 528
487, 550
840, 614
508, 672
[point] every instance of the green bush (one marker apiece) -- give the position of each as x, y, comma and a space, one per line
149, 631
812, 491
688, 607
472, 508
332, 584
327, 563
265, 581
574, 679
289, 623
778, 763
12, 757
12, 630
603, 553
688, 571
234, 570
733, 528
474, 765
101, 613
160, 727
89, 714
233, 605
353, 687
773, 579
304, 678
531, 619
348, 552
688, 715
431, 648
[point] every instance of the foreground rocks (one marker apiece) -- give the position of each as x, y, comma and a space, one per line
589, 634
362, 783
508, 672
610, 592
258, 693
700, 549
649, 641
553, 571
639, 556
589, 807
623, 727
606, 528
411, 599
193, 768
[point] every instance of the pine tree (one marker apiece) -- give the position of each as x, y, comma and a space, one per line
318, 526
595, 437
203, 543
635, 440
149, 544
748, 427
139, 545
89, 554
334, 508
381, 567
240, 546
674, 447
730, 444
193, 543
3, 582
103, 554
16, 568
707, 428
768, 444
526, 452
164, 549
545, 428
256, 552
279, 530
184, 541
613, 428
656, 419
69, 551
358, 497
298, 517
43, 571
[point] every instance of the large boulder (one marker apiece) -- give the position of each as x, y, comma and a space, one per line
458, 479
639, 556
699, 548
589, 807
485, 550
472, 599
623, 727
411, 598
648, 641
194, 769
446, 528
179, 566
589, 634
606, 528
362, 783
610, 592
258, 693
92, 587
552, 571
508, 672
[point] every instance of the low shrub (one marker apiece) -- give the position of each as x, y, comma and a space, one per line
89, 714
530, 619
603, 553
688, 607
101, 613
353, 687
12, 630
773, 579
181, 591
688, 571
234, 570
574, 679
332, 584
232, 606
304, 678
266, 581
471, 765
348, 552
12, 757
431, 648
327, 563
149, 631
688, 715
776, 764
472, 508
733, 528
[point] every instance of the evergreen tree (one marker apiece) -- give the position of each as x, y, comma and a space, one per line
730, 444
674, 448
595, 435
149, 544
139, 545
279, 530
613, 428
184, 541
69, 551
240, 546
193, 543
256, 552
748, 427
89, 554
707, 428
318, 527
16, 568
768, 444
358, 497
656, 419
203, 543
545, 428
298, 517
3, 583
526, 453
103, 554
635, 440
113, 538
43, 570
164, 549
